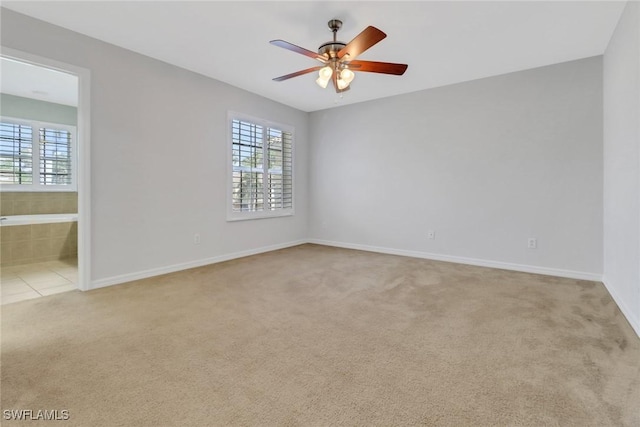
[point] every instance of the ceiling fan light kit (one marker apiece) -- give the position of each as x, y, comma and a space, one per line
338, 58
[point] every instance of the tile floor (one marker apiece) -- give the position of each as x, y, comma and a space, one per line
22, 282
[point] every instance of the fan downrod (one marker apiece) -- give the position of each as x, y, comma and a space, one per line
331, 48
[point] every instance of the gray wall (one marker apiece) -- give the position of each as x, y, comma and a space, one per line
33, 109
485, 164
622, 164
159, 156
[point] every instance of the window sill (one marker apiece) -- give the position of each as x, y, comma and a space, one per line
232, 217
25, 188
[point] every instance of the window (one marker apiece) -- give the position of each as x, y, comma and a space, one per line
36, 156
261, 168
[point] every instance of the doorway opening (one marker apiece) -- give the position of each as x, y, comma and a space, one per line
44, 177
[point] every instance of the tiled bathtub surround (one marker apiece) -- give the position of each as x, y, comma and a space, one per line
24, 244
34, 203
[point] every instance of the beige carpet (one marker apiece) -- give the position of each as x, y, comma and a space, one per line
314, 335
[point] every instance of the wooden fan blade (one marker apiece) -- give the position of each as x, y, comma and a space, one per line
297, 73
378, 67
363, 41
292, 47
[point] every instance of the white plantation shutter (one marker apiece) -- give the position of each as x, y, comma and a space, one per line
280, 180
36, 156
248, 168
55, 157
262, 169
16, 153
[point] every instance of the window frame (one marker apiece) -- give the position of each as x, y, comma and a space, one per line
249, 215
36, 186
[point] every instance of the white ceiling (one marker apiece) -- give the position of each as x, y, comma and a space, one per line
44, 84
443, 42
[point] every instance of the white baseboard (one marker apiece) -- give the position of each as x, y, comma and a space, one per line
463, 260
622, 305
123, 278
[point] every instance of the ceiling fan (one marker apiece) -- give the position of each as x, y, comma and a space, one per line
339, 59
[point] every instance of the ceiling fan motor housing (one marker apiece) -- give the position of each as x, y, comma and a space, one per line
331, 49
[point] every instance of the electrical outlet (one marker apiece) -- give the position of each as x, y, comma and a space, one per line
196, 239
532, 243
431, 235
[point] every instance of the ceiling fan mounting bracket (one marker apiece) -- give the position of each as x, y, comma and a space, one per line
335, 25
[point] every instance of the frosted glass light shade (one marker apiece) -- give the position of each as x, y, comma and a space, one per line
325, 73
347, 75
322, 82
